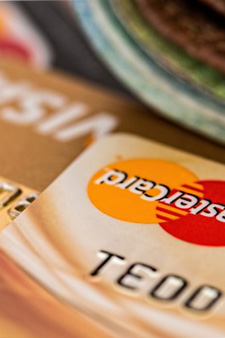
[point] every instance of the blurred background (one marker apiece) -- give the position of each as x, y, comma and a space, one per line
167, 55
59, 40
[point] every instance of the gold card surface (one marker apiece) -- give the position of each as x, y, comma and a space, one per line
133, 232
47, 119
29, 311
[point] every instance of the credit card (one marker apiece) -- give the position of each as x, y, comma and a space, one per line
133, 233
47, 119
29, 311
20, 38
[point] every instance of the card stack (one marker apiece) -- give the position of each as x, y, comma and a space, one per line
107, 230
170, 53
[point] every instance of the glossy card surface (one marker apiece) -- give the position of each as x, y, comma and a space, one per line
132, 233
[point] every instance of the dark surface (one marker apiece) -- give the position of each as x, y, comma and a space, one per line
198, 29
72, 51
218, 5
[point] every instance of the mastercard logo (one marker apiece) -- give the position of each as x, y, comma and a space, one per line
162, 193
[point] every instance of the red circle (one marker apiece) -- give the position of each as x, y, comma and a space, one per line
14, 48
199, 229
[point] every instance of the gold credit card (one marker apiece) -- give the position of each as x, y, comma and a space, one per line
47, 119
29, 311
132, 233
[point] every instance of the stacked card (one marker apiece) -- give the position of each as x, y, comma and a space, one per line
104, 232
127, 242
169, 53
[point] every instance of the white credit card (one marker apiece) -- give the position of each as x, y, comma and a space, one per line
133, 232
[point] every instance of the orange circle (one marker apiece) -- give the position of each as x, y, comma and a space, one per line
122, 203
